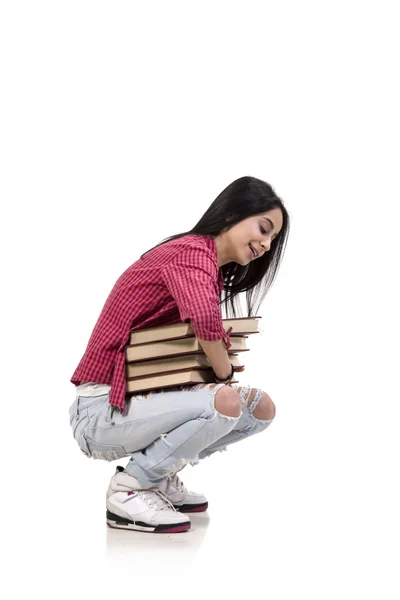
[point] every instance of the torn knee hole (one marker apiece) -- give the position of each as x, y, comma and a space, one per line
265, 409
228, 406
229, 417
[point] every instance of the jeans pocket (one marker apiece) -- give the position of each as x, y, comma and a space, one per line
101, 451
99, 411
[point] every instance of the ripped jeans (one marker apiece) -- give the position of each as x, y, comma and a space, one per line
161, 431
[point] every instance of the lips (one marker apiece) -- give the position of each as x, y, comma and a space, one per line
254, 253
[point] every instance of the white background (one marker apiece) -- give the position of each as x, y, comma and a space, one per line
120, 124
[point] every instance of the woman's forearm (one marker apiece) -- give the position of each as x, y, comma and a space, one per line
217, 354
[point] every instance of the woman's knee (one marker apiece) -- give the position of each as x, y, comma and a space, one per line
227, 402
265, 409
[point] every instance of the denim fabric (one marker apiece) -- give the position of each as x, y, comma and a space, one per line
161, 431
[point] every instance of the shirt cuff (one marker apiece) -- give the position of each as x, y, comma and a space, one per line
227, 338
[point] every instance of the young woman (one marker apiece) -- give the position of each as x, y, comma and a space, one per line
237, 246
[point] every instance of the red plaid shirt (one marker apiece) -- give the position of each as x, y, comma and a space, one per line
175, 282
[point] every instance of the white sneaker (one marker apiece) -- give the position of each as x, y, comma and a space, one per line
131, 507
183, 500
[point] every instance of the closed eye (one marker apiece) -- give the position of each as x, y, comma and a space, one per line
264, 231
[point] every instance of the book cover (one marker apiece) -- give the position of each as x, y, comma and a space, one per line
176, 347
172, 364
241, 325
143, 384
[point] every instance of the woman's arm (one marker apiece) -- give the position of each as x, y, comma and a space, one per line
191, 278
218, 356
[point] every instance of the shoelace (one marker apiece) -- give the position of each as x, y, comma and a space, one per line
157, 499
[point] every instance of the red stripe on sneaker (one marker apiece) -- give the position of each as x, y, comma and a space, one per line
176, 529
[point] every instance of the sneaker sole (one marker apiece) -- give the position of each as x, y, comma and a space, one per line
192, 508
117, 522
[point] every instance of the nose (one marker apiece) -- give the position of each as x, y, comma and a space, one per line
265, 246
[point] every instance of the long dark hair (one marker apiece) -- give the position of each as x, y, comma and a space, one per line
241, 199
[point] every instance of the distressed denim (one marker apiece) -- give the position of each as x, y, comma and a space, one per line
161, 431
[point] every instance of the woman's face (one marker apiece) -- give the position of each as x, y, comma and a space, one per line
256, 232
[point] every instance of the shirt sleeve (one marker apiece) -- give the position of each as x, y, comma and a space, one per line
192, 280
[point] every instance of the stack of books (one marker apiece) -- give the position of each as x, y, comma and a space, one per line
171, 355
